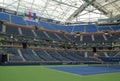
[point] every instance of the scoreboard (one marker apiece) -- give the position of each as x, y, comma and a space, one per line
29, 15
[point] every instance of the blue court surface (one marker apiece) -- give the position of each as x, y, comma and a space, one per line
85, 70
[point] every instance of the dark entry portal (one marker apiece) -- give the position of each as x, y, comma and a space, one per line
4, 58
94, 49
24, 45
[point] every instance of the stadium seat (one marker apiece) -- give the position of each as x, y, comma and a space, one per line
79, 28
27, 32
91, 28
32, 23
18, 20
12, 30
4, 17
104, 28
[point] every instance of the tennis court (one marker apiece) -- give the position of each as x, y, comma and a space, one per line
87, 70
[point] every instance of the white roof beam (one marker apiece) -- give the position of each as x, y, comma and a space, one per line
60, 2
101, 8
10, 4
79, 10
18, 6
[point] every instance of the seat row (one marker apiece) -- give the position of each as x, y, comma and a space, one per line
19, 20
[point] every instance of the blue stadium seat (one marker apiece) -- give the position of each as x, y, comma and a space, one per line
55, 26
4, 17
63, 37
18, 20
90, 54
52, 36
79, 56
46, 25
28, 55
32, 23
77, 38
45, 56
67, 55
51, 26
91, 28
110, 59
27, 32
116, 28
56, 55
14, 54
70, 37
87, 38
41, 34
68, 28
111, 54
99, 38
113, 37
104, 28
12, 30
101, 54
79, 28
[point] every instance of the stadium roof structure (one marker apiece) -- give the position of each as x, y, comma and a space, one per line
66, 10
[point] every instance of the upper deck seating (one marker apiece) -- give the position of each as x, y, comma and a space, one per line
18, 20
67, 28
55, 26
91, 28
4, 17
32, 23
79, 28
45, 25
104, 28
